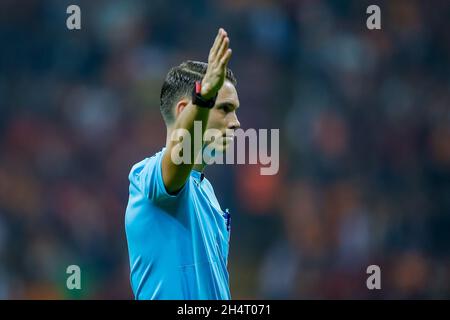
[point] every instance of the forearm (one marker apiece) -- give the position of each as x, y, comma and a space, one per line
185, 124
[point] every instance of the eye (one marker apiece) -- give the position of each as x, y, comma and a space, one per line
226, 108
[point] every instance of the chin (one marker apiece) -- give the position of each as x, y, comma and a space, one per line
223, 147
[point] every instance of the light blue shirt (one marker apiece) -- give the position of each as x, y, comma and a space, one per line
177, 244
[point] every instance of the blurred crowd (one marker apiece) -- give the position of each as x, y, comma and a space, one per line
364, 153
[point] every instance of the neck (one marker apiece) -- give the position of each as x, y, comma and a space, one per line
199, 167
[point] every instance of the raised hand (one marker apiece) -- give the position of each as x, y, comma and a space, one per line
218, 58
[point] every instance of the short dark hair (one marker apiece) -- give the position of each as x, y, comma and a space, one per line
180, 82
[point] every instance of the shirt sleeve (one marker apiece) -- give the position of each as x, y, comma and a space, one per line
147, 177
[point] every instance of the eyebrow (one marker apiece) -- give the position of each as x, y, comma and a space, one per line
229, 104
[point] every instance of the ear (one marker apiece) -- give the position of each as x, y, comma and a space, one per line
180, 107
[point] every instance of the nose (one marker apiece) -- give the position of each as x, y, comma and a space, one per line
234, 122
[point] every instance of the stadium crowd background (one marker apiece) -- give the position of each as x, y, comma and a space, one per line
365, 142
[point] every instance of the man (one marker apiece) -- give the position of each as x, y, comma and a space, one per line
177, 233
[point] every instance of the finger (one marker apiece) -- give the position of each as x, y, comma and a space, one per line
217, 44
223, 48
226, 57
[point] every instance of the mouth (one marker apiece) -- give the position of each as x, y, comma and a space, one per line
228, 137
